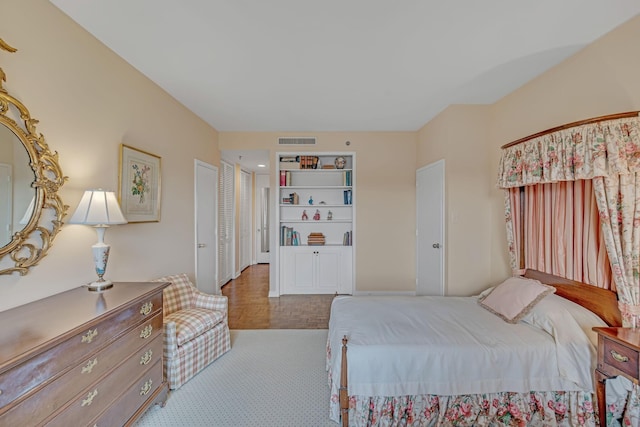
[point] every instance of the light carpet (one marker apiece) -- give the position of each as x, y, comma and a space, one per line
270, 377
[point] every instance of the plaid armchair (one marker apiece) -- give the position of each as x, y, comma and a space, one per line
196, 330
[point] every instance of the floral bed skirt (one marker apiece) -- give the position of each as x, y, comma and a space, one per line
494, 409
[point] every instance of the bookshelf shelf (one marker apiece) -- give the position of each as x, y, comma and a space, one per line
308, 187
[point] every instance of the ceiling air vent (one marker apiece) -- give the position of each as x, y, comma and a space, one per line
297, 141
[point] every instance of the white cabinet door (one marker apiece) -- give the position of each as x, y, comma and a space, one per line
328, 263
316, 269
303, 271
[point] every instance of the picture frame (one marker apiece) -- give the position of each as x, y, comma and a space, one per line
139, 188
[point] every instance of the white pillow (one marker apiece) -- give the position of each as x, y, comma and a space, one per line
568, 325
586, 319
514, 298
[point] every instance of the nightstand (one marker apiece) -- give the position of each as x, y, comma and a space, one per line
618, 354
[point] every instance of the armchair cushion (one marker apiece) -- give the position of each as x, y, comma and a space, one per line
192, 322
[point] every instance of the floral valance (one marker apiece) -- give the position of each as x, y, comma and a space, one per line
580, 152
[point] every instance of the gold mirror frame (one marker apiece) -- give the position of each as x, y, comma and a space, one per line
25, 249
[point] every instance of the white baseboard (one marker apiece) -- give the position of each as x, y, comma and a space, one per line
385, 293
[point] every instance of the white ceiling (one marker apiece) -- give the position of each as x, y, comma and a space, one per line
342, 65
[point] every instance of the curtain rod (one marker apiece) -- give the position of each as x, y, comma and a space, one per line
570, 125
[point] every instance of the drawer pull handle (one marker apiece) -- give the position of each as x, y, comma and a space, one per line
146, 332
146, 358
619, 357
89, 399
147, 307
146, 388
89, 366
89, 336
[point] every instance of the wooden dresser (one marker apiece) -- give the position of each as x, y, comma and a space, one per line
618, 354
82, 358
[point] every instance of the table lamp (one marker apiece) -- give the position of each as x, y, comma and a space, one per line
101, 209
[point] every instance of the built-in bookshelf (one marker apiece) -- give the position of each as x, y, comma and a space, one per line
316, 201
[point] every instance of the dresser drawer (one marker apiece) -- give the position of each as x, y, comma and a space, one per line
39, 405
121, 411
619, 357
45, 366
95, 399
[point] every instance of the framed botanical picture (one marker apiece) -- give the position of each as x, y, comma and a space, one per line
139, 185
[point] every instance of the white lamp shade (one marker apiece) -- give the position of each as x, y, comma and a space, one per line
98, 207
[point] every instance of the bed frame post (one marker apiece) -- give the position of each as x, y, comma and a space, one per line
344, 395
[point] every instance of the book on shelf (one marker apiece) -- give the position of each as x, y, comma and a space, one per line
309, 162
346, 178
315, 239
347, 197
295, 199
285, 178
346, 240
290, 159
289, 237
292, 199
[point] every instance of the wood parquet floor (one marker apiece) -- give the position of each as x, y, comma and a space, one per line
251, 308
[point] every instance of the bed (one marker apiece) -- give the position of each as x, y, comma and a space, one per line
421, 361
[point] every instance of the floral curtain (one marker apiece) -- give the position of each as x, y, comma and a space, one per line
607, 152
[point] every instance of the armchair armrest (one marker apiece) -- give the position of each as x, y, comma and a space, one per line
211, 302
170, 346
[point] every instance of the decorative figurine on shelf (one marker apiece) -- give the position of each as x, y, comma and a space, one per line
329, 216
340, 162
304, 215
316, 216
311, 200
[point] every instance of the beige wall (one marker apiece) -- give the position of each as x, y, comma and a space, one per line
88, 101
385, 205
459, 136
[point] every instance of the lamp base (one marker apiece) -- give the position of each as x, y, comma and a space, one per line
99, 285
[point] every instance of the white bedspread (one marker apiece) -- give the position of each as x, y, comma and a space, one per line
447, 346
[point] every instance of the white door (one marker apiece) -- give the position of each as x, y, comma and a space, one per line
225, 226
262, 218
206, 211
246, 225
430, 229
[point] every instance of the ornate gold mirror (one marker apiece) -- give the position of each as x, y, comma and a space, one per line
31, 210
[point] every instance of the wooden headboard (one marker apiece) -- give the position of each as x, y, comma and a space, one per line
602, 302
